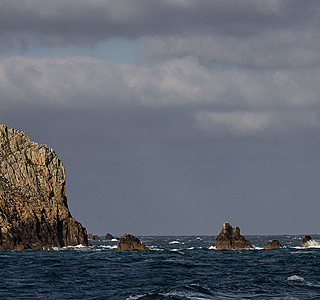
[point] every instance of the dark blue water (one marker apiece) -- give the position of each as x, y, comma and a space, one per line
175, 268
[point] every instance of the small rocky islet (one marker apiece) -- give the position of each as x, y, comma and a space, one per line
34, 213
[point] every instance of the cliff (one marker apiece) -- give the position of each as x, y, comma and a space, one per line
33, 203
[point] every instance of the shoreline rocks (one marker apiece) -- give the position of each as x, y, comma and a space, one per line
130, 242
34, 212
231, 239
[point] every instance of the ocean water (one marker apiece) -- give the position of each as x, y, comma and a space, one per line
177, 267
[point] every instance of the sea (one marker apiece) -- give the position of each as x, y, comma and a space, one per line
176, 267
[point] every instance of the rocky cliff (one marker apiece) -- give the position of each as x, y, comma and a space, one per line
33, 204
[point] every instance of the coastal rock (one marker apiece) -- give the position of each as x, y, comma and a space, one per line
109, 237
93, 237
231, 239
130, 242
308, 241
273, 245
33, 203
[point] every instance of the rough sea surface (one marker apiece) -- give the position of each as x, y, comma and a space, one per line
175, 268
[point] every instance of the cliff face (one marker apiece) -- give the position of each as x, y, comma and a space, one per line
33, 204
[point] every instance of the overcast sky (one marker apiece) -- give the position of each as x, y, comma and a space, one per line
172, 116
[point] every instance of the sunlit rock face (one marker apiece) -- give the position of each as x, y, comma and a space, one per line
231, 239
273, 245
130, 242
33, 203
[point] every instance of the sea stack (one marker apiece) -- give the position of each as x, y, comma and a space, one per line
130, 242
33, 204
109, 237
231, 239
273, 245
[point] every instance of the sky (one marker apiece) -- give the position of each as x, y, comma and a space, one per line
172, 116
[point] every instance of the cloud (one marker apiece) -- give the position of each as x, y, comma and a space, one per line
250, 123
84, 22
240, 101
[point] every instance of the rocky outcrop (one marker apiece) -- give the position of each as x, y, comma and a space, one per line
231, 239
130, 242
93, 237
33, 203
109, 237
308, 241
273, 245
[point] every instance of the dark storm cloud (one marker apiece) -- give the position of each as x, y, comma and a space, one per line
57, 23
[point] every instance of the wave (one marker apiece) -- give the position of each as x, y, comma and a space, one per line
174, 242
295, 278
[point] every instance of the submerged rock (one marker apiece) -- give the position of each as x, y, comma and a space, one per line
273, 245
231, 239
109, 237
33, 203
130, 242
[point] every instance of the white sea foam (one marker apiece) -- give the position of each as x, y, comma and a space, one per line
212, 247
313, 244
109, 247
174, 242
295, 278
114, 240
191, 248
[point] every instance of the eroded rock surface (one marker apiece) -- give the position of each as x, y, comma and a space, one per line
33, 203
231, 239
273, 245
130, 242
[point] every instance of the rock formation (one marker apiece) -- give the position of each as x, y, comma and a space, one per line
308, 241
130, 242
230, 238
273, 245
93, 237
109, 237
33, 203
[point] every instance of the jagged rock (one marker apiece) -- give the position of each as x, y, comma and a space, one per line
230, 238
130, 242
273, 245
90, 236
33, 203
109, 237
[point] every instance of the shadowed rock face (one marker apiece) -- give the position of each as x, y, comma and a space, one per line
130, 242
230, 238
33, 203
109, 237
273, 245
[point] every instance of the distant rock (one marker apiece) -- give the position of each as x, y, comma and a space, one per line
273, 245
33, 203
109, 237
308, 241
231, 239
93, 237
130, 242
